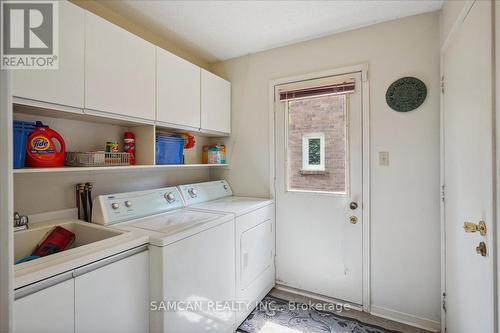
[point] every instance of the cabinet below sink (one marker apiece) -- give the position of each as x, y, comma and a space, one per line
110, 295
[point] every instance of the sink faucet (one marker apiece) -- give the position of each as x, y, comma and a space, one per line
20, 222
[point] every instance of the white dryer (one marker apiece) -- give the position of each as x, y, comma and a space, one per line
192, 264
254, 238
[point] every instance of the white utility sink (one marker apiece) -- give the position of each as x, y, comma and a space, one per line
86, 234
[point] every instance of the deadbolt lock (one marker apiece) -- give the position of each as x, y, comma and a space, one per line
481, 249
472, 227
353, 219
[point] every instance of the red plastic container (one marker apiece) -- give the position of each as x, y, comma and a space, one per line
41, 149
57, 240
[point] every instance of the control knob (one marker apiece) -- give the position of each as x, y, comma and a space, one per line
128, 204
170, 197
115, 205
193, 192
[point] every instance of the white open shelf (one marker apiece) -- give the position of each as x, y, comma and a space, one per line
117, 168
83, 132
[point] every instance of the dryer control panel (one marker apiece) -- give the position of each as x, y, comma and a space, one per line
114, 208
203, 192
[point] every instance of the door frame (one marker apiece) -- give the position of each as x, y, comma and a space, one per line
366, 165
496, 150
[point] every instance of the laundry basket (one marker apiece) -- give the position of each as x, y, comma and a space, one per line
22, 129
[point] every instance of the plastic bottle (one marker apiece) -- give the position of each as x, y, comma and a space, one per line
129, 145
41, 150
214, 155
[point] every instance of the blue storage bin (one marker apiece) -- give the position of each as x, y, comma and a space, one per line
169, 149
22, 129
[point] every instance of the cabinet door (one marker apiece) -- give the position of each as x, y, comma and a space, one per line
114, 298
119, 70
177, 90
64, 85
215, 103
48, 310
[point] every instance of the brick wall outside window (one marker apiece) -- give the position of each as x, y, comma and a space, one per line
326, 115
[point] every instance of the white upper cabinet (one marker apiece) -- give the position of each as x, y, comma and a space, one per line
177, 90
62, 86
215, 103
119, 70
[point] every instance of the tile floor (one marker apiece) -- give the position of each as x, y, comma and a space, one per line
362, 316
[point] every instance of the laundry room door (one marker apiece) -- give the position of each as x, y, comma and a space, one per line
469, 167
318, 187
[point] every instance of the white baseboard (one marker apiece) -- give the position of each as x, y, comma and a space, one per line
408, 319
316, 296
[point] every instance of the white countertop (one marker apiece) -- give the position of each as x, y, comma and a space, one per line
51, 265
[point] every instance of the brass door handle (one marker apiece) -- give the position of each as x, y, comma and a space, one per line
472, 227
481, 249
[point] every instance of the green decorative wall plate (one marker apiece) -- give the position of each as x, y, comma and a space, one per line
406, 94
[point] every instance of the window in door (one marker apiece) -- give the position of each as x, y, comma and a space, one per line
317, 144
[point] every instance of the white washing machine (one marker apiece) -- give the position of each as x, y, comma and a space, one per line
192, 263
254, 238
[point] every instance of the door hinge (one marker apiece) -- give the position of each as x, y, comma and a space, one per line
442, 84
443, 193
444, 302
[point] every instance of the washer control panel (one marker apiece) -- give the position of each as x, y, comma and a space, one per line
115, 208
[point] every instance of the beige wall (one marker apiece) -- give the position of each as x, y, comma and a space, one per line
405, 214
44, 193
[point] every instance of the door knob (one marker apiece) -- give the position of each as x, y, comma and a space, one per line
481, 249
353, 205
472, 227
353, 219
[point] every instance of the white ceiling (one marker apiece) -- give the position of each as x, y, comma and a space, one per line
220, 30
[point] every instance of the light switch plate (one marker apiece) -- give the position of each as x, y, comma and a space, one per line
383, 158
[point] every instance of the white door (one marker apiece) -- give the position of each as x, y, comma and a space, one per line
120, 70
48, 310
64, 85
114, 298
318, 178
177, 90
468, 172
215, 103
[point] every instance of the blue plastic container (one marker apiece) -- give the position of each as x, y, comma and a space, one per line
169, 149
22, 129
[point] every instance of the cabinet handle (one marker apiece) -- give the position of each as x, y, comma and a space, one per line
109, 260
41, 285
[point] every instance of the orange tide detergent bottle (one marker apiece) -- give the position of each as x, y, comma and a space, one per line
41, 150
